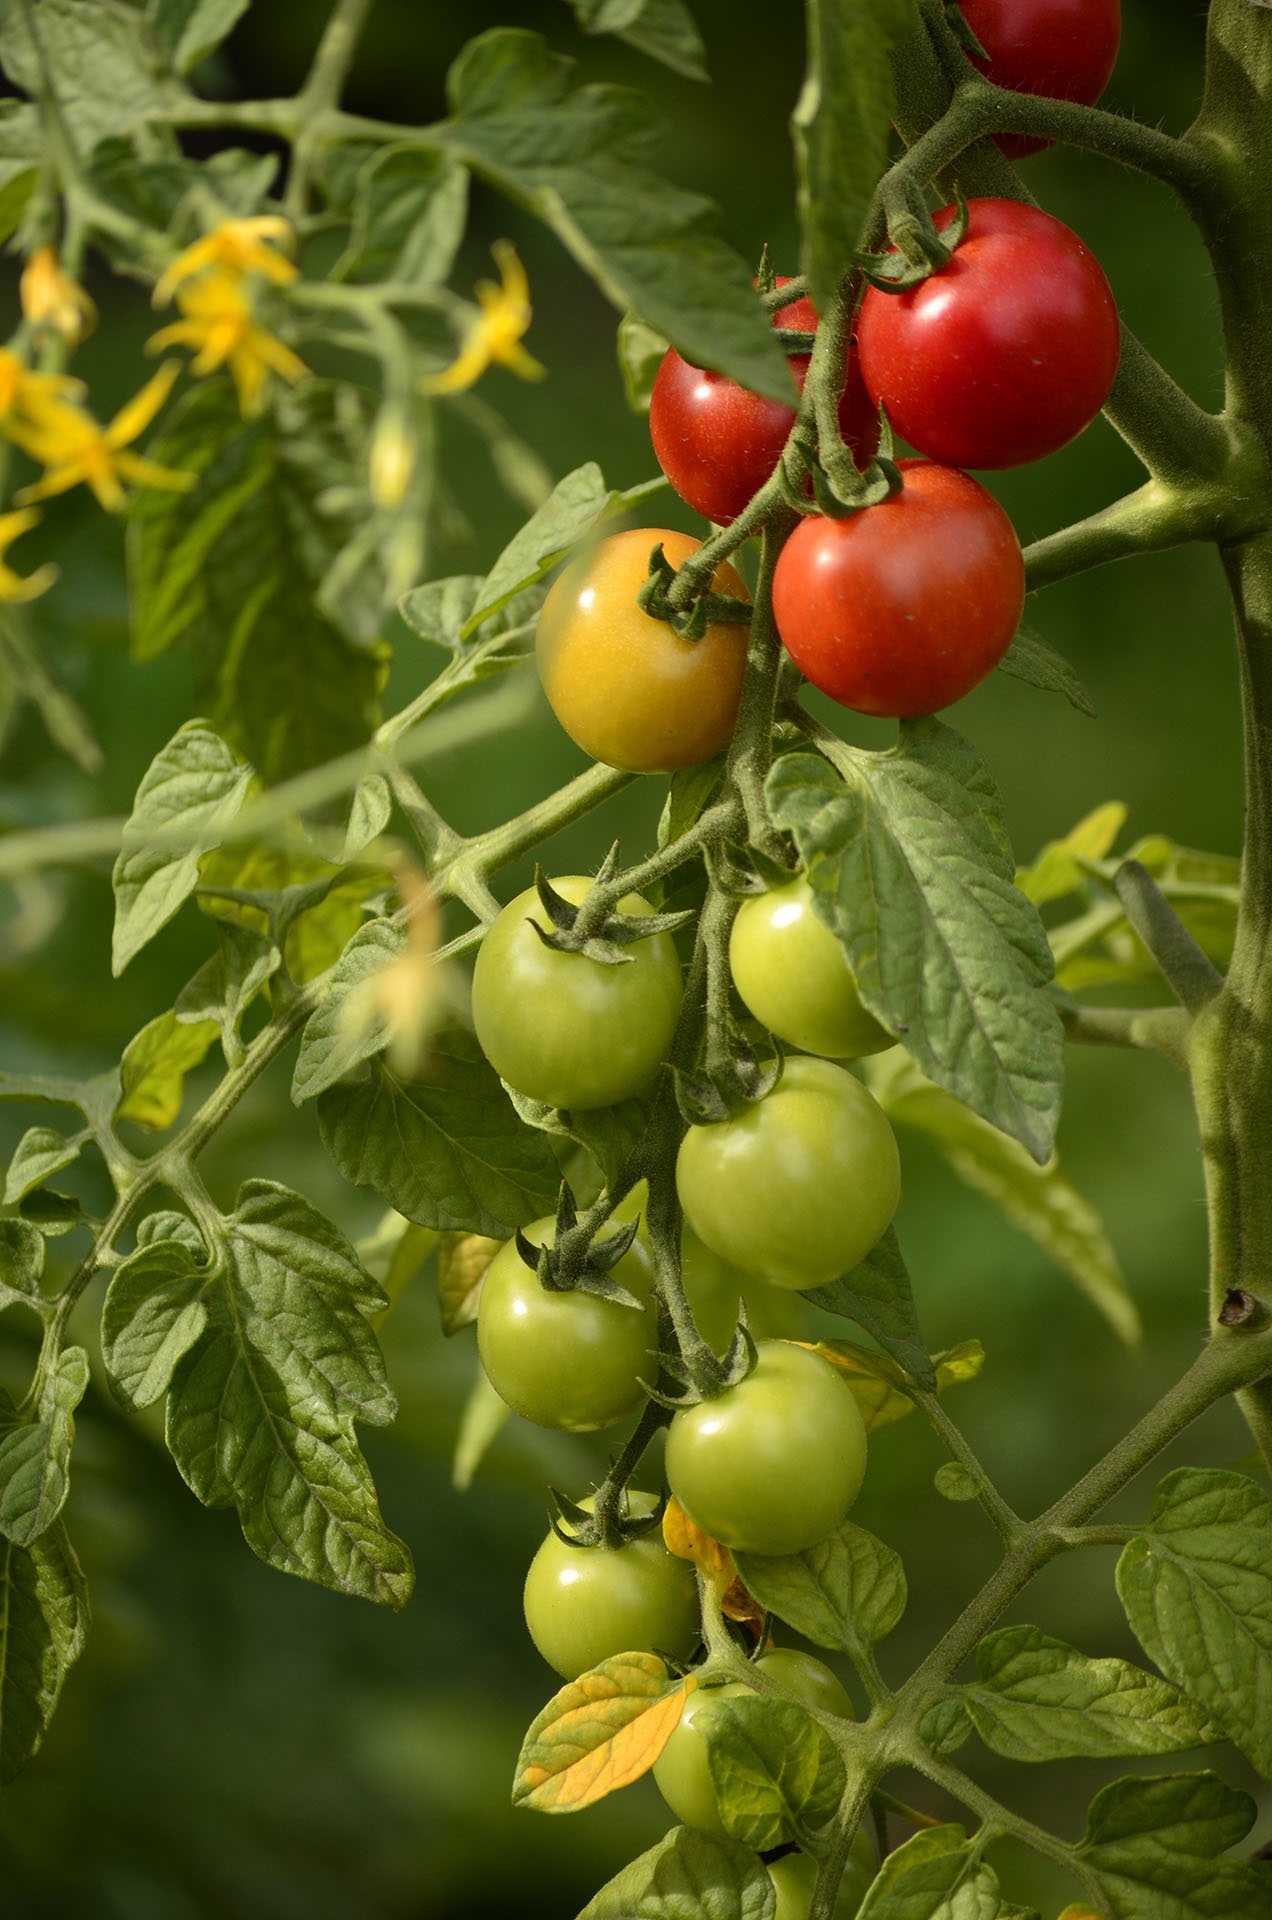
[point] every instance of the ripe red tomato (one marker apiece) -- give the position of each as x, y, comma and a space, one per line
1003, 354
1062, 49
718, 442
902, 608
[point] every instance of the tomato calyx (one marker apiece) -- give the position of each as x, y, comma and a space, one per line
566, 1269
839, 485
729, 1088
703, 610
739, 872
616, 931
605, 1521
961, 28
917, 247
708, 1377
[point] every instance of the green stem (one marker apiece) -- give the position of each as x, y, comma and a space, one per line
751, 751
1008, 1523
320, 95
1000, 1823
1155, 517
1189, 972
1159, 1029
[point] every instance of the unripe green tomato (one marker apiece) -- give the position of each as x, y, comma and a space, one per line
682, 1771
562, 1028
772, 1464
798, 1187
568, 1360
586, 1604
795, 1875
715, 1288
794, 976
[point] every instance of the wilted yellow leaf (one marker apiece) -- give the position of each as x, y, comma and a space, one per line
874, 1378
599, 1733
686, 1539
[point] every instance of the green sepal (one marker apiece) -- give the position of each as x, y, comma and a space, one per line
917, 249
590, 1273
704, 610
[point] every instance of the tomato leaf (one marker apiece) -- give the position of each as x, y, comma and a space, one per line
332, 1045
154, 1067
409, 210
880, 1388
840, 128
1035, 1698
21, 1262
192, 788
484, 1415
448, 1152
462, 1259
574, 507
607, 1133
1041, 1200
935, 1875
687, 1875
226, 985
1059, 868
847, 1591
909, 862
599, 1733
35, 1457
151, 1316
577, 158
45, 1614
1196, 1585
187, 31
40, 1152
878, 1296
664, 29
105, 72
1031, 659
776, 1773
1155, 1845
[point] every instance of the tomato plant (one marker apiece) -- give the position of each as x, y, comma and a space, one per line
627, 687
793, 975
1002, 355
772, 1464
717, 442
796, 1188
570, 1360
562, 1027
903, 608
682, 1770
795, 1875
1065, 49
585, 1603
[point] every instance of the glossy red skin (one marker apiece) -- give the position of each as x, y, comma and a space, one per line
902, 608
1005, 353
718, 442
1062, 49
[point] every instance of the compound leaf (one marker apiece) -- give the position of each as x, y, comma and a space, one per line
847, 1591
1155, 1845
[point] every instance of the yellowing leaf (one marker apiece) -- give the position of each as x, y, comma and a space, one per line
1058, 869
599, 1733
686, 1539
875, 1380
462, 1259
155, 1063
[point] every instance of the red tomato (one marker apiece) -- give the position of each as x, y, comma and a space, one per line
1003, 354
718, 442
904, 607
1062, 49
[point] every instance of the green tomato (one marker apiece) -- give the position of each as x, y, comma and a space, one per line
566, 1360
795, 1875
794, 976
798, 1187
585, 1604
562, 1028
772, 1464
682, 1771
716, 1289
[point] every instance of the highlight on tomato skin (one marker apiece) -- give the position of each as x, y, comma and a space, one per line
1004, 354
903, 608
1061, 49
717, 442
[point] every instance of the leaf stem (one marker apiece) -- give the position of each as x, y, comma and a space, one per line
1008, 1523
1189, 972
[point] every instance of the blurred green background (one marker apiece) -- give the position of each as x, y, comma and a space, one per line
236, 1744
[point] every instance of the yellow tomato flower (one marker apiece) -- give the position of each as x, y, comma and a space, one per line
220, 322
392, 458
32, 394
496, 336
236, 246
76, 448
51, 298
15, 586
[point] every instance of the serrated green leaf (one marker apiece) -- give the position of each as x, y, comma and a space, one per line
1029, 658
840, 128
877, 1295
575, 505
1196, 1585
439, 613
608, 1133
577, 157
370, 811
847, 1592
43, 1623
776, 1773
448, 1152
40, 1152
21, 1262
410, 206
309, 908
1155, 1846
641, 350
1035, 1698
194, 786
152, 1315
1041, 1200
35, 1458
105, 78
909, 863
234, 568
331, 1046
187, 31
935, 1875
154, 1067
225, 986
686, 1875
261, 1408
664, 29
